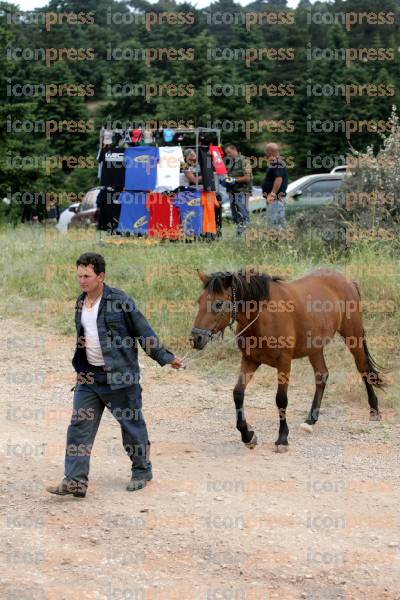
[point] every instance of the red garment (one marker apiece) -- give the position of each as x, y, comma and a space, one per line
164, 221
136, 135
218, 163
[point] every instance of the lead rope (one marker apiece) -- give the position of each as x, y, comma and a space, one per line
225, 342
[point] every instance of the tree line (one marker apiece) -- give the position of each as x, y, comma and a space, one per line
320, 79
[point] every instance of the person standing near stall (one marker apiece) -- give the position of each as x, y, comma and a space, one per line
190, 169
238, 185
274, 187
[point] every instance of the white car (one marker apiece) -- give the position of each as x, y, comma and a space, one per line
80, 214
302, 194
312, 190
341, 169
256, 202
66, 217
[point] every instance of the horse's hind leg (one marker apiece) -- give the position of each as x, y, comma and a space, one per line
368, 374
321, 376
365, 365
247, 370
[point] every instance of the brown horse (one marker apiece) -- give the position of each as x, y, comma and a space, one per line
278, 321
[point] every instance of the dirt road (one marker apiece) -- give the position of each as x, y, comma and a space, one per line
218, 522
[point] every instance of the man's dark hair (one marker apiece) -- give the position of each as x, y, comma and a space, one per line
231, 146
91, 258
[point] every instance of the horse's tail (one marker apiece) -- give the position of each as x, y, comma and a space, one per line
372, 366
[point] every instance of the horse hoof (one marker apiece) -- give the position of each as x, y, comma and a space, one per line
375, 416
306, 427
252, 443
281, 449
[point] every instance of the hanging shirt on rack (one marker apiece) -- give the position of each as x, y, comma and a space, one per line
148, 136
109, 209
218, 163
207, 172
209, 203
168, 135
164, 220
168, 168
141, 167
191, 211
134, 213
112, 172
136, 135
106, 136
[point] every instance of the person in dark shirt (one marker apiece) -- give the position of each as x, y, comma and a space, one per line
274, 187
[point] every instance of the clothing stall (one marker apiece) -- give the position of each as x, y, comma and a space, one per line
146, 190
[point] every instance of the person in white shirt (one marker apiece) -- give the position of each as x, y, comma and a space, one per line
108, 374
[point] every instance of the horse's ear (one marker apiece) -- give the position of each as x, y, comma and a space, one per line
202, 276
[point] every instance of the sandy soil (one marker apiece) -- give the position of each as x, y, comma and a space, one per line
218, 522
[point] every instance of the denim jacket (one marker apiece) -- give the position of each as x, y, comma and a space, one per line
120, 325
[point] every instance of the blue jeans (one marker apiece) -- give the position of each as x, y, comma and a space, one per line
240, 214
88, 405
276, 215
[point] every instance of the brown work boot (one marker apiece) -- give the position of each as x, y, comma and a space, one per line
68, 488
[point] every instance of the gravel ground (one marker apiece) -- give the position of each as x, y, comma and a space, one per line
219, 521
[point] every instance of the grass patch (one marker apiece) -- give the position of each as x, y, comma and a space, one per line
37, 278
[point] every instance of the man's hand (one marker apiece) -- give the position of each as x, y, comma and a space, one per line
177, 362
230, 181
271, 197
227, 181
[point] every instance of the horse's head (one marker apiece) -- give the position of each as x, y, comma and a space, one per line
217, 308
224, 296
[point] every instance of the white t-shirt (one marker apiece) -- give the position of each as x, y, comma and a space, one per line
92, 342
168, 167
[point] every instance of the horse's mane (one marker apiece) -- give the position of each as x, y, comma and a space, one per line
248, 284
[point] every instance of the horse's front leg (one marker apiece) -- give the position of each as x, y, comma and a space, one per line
247, 370
282, 402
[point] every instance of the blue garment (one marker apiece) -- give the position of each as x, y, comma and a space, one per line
134, 215
240, 213
168, 135
191, 211
141, 167
90, 398
120, 324
276, 215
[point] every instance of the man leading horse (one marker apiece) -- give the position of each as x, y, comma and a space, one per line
108, 326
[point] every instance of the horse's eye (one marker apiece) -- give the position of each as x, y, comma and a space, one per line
218, 305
